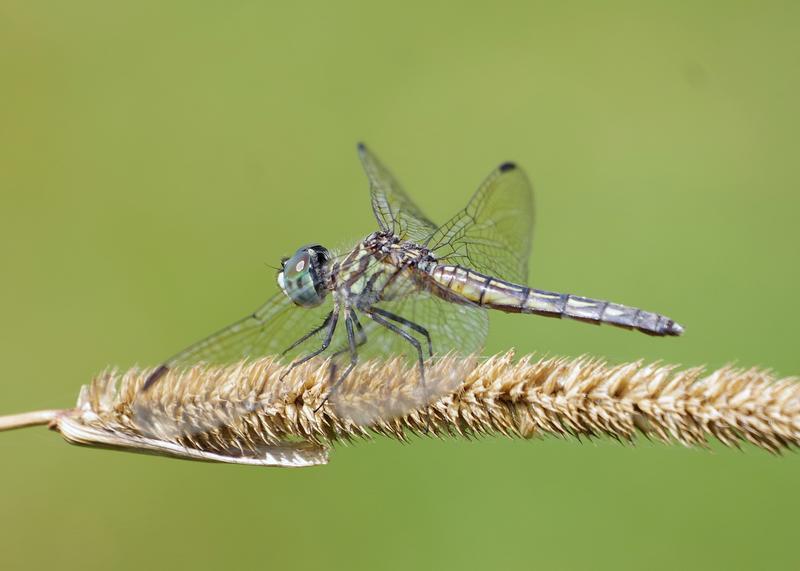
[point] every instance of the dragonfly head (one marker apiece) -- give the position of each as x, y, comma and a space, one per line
302, 277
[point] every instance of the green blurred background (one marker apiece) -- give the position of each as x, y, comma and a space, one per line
154, 157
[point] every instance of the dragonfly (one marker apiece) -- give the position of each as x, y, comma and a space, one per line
411, 288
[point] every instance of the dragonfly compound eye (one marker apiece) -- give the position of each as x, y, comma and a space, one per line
302, 279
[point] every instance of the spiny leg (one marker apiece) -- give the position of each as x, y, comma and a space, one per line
351, 341
405, 335
408, 323
310, 334
352, 348
334, 319
361, 338
376, 317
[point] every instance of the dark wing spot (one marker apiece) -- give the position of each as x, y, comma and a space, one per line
154, 376
505, 167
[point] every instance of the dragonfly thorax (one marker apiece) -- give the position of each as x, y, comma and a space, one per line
396, 251
302, 277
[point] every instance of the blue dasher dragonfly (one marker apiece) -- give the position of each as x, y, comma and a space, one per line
411, 288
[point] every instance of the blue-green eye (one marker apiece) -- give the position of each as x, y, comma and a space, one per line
302, 277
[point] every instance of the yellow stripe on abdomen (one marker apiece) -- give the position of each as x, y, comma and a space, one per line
512, 298
460, 281
480, 289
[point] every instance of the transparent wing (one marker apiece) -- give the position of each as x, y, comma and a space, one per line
271, 329
395, 211
454, 329
279, 325
492, 235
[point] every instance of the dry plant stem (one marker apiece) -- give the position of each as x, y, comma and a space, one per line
26, 419
243, 413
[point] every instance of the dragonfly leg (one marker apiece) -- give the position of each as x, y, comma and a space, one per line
405, 335
334, 319
403, 321
377, 318
361, 338
310, 334
350, 321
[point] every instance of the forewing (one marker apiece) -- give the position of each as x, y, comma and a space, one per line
269, 330
393, 208
492, 235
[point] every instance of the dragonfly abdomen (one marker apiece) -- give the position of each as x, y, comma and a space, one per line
599, 311
505, 296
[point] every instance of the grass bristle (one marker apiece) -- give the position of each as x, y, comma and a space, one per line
245, 413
